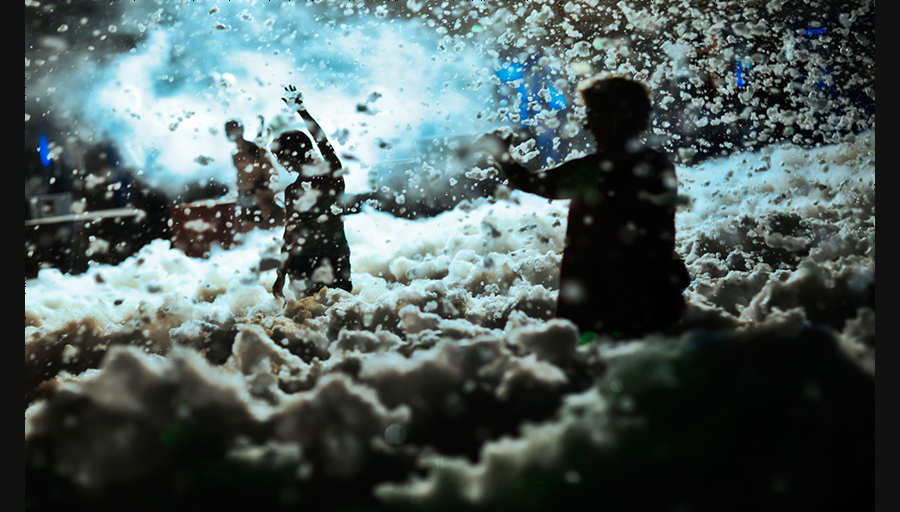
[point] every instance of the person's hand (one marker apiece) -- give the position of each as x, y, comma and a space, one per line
495, 143
278, 286
293, 98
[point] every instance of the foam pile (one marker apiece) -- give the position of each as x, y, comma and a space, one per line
442, 379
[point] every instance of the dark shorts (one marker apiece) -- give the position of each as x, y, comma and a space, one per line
302, 269
619, 298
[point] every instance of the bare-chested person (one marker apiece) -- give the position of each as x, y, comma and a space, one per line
255, 173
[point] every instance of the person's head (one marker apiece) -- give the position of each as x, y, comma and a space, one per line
234, 130
293, 149
618, 109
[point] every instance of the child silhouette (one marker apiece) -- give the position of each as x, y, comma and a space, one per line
317, 251
619, 271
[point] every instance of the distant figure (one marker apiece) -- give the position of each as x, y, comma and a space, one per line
619, 271
255, 171
317, 251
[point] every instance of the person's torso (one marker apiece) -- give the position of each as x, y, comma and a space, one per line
252, 168
314, 208
627, 211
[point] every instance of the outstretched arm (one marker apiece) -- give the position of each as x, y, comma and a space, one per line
562, 182
294, 100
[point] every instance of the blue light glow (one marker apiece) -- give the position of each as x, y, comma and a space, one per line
163, 105
822, 82
510, 72
557, 99
45, 151
523, 106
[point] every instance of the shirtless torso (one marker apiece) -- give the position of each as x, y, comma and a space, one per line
255, 172
253, 166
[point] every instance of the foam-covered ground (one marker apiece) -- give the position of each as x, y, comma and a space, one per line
444, 382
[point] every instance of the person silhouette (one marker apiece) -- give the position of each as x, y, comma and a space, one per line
317, 251
619, 272
255, 171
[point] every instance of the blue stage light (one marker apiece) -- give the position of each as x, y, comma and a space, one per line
557, 99
44, 149
510, 72
523, 106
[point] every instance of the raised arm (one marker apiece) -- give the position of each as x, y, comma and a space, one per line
294, 100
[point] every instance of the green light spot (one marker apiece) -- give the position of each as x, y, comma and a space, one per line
586, 338
476, 28
173, 435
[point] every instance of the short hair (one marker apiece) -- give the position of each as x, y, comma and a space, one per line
620, 103
292, 147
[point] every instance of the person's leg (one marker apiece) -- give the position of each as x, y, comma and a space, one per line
333, 272
300, 270
342, 272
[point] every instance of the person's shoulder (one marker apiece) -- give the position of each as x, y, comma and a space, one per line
256, 150
590, 158
648, 152
589, 161
655, 156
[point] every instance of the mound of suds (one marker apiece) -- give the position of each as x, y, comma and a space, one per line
187, 377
